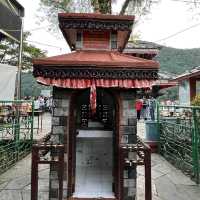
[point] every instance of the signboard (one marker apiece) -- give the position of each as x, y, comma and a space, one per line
10, 19
7, 82
184, 93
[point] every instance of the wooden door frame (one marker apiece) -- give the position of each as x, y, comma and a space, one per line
118, 173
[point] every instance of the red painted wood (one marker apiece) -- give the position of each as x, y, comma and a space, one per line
96, 40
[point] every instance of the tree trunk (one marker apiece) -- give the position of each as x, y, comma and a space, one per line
124, 7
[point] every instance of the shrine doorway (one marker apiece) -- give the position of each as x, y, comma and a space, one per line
94, 150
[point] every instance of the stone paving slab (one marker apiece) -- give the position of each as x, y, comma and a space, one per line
168, 183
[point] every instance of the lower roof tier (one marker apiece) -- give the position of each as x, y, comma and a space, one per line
96, 58
96, 64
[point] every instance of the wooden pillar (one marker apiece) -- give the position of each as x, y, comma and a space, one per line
192, 82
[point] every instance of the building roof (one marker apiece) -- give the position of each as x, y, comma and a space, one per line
194, 73
164, 84
105, 59
139, 44
11, 13
142, 49
70, 23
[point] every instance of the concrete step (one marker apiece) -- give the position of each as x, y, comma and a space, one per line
94, 134
93, 124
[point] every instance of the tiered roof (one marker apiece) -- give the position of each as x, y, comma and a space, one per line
106, 63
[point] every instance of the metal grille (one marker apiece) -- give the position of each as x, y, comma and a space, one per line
180, 137
16, 131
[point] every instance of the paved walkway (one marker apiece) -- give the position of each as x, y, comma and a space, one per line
168, 183
15, 183
46, 126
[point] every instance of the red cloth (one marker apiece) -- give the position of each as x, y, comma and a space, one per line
93, 98
94, 83
138, 105
105, 83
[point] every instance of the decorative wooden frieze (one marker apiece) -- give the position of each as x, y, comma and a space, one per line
95, 24
53, 72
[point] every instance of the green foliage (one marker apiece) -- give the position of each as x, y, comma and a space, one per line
170, 93
9, 52
196, 101
103, 6
136, 7
178, 60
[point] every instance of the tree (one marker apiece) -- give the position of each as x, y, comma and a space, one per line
139, 7
9, 52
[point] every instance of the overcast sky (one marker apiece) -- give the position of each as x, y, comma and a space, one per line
167, 19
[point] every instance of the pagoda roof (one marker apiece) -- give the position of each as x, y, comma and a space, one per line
91, 58
70, 23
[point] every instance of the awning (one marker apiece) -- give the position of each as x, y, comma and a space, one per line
94, 83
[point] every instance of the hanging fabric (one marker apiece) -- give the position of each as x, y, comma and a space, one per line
93, 98
94, 83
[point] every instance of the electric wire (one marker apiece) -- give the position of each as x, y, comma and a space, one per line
177, 33
187, 1
44, 44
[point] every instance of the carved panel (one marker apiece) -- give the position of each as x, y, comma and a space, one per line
96, 24
53, 72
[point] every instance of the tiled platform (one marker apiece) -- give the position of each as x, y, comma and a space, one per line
168, 183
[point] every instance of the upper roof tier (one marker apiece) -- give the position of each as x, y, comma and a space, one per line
82, 28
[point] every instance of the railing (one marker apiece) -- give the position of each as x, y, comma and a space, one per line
16, 131
51, 155
179, 128
143, 157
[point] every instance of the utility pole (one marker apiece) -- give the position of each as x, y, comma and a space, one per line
20, 63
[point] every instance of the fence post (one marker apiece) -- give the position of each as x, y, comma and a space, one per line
195, 153
32, 122
34, 173
147, 166
158, 123
17, 130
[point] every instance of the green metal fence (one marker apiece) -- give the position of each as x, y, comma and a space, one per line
179, 128
16, 131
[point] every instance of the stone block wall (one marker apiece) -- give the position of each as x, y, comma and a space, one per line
128, 132
61, 101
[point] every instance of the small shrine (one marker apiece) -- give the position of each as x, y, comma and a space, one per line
94, 92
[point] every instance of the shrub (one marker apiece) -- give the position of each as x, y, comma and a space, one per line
196, 101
